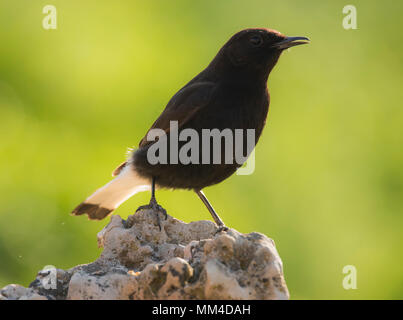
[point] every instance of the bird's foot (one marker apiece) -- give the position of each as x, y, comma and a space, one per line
222, 228
153, 205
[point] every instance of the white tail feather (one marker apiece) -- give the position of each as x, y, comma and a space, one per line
117, 191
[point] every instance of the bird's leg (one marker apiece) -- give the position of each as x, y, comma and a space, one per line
217, 219
154, 204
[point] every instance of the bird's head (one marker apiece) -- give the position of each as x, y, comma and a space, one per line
258, 50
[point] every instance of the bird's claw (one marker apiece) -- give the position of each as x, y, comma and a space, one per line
222, 228
153, 205
162, 210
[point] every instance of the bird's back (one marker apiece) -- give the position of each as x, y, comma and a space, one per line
230, 106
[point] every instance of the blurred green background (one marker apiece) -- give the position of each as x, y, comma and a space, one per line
328, 184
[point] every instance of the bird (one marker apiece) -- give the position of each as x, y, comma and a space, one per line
230, 93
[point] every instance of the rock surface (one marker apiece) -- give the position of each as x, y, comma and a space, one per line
180, 261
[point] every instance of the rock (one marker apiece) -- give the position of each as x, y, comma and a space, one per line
178, 261
17, 292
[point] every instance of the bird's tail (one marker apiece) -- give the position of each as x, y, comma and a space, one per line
106, 199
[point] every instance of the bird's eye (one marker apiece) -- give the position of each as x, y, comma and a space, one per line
256, 40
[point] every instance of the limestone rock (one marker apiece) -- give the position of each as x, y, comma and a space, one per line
17, 292
148, 257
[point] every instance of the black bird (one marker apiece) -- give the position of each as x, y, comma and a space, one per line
231, 93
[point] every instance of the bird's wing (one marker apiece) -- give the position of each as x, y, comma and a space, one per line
182, 107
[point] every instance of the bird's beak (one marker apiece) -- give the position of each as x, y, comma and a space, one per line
290, 42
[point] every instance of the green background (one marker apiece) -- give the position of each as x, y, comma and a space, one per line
328, 184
